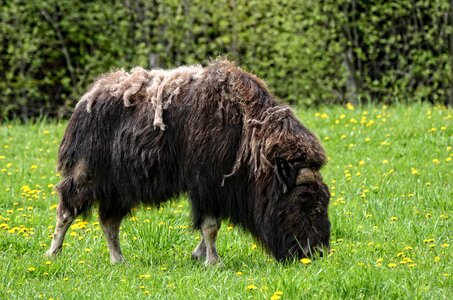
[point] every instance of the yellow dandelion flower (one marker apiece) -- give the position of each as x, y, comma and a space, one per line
379, 260
305, 261
370, 123
385, 161
393, 218
445, 245
427, 241
432, 245
48, 262
253, 246
408, 248
349, 106
87, 250
436, 161
31, 269
251, 287
239, 273
275, 297
414, 171
391, 265
437, 259
448, 159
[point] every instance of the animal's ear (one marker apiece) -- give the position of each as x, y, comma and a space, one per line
285, 173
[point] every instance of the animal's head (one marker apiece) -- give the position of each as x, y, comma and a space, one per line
297, 225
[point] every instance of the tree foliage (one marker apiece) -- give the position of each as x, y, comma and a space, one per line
309, 52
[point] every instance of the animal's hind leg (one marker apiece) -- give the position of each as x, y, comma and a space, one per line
206, 248
111, 227
64, 220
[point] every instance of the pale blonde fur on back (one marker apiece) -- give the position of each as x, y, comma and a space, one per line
160, 87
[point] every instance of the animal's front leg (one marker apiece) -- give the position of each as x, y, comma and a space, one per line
111, 228
209, 229
200, 250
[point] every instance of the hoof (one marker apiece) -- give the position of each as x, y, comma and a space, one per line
50, 253
213, 262
117, 260
199, 253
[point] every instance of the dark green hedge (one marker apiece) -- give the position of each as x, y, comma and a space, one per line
309, 52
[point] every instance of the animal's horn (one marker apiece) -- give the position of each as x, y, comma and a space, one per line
306, 175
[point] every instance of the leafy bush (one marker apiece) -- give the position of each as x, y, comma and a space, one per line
308, 52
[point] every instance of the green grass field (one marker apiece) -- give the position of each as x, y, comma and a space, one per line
390, 172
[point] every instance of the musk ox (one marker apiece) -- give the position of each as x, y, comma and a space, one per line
215, 133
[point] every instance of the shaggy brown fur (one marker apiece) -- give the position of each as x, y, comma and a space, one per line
228, 144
